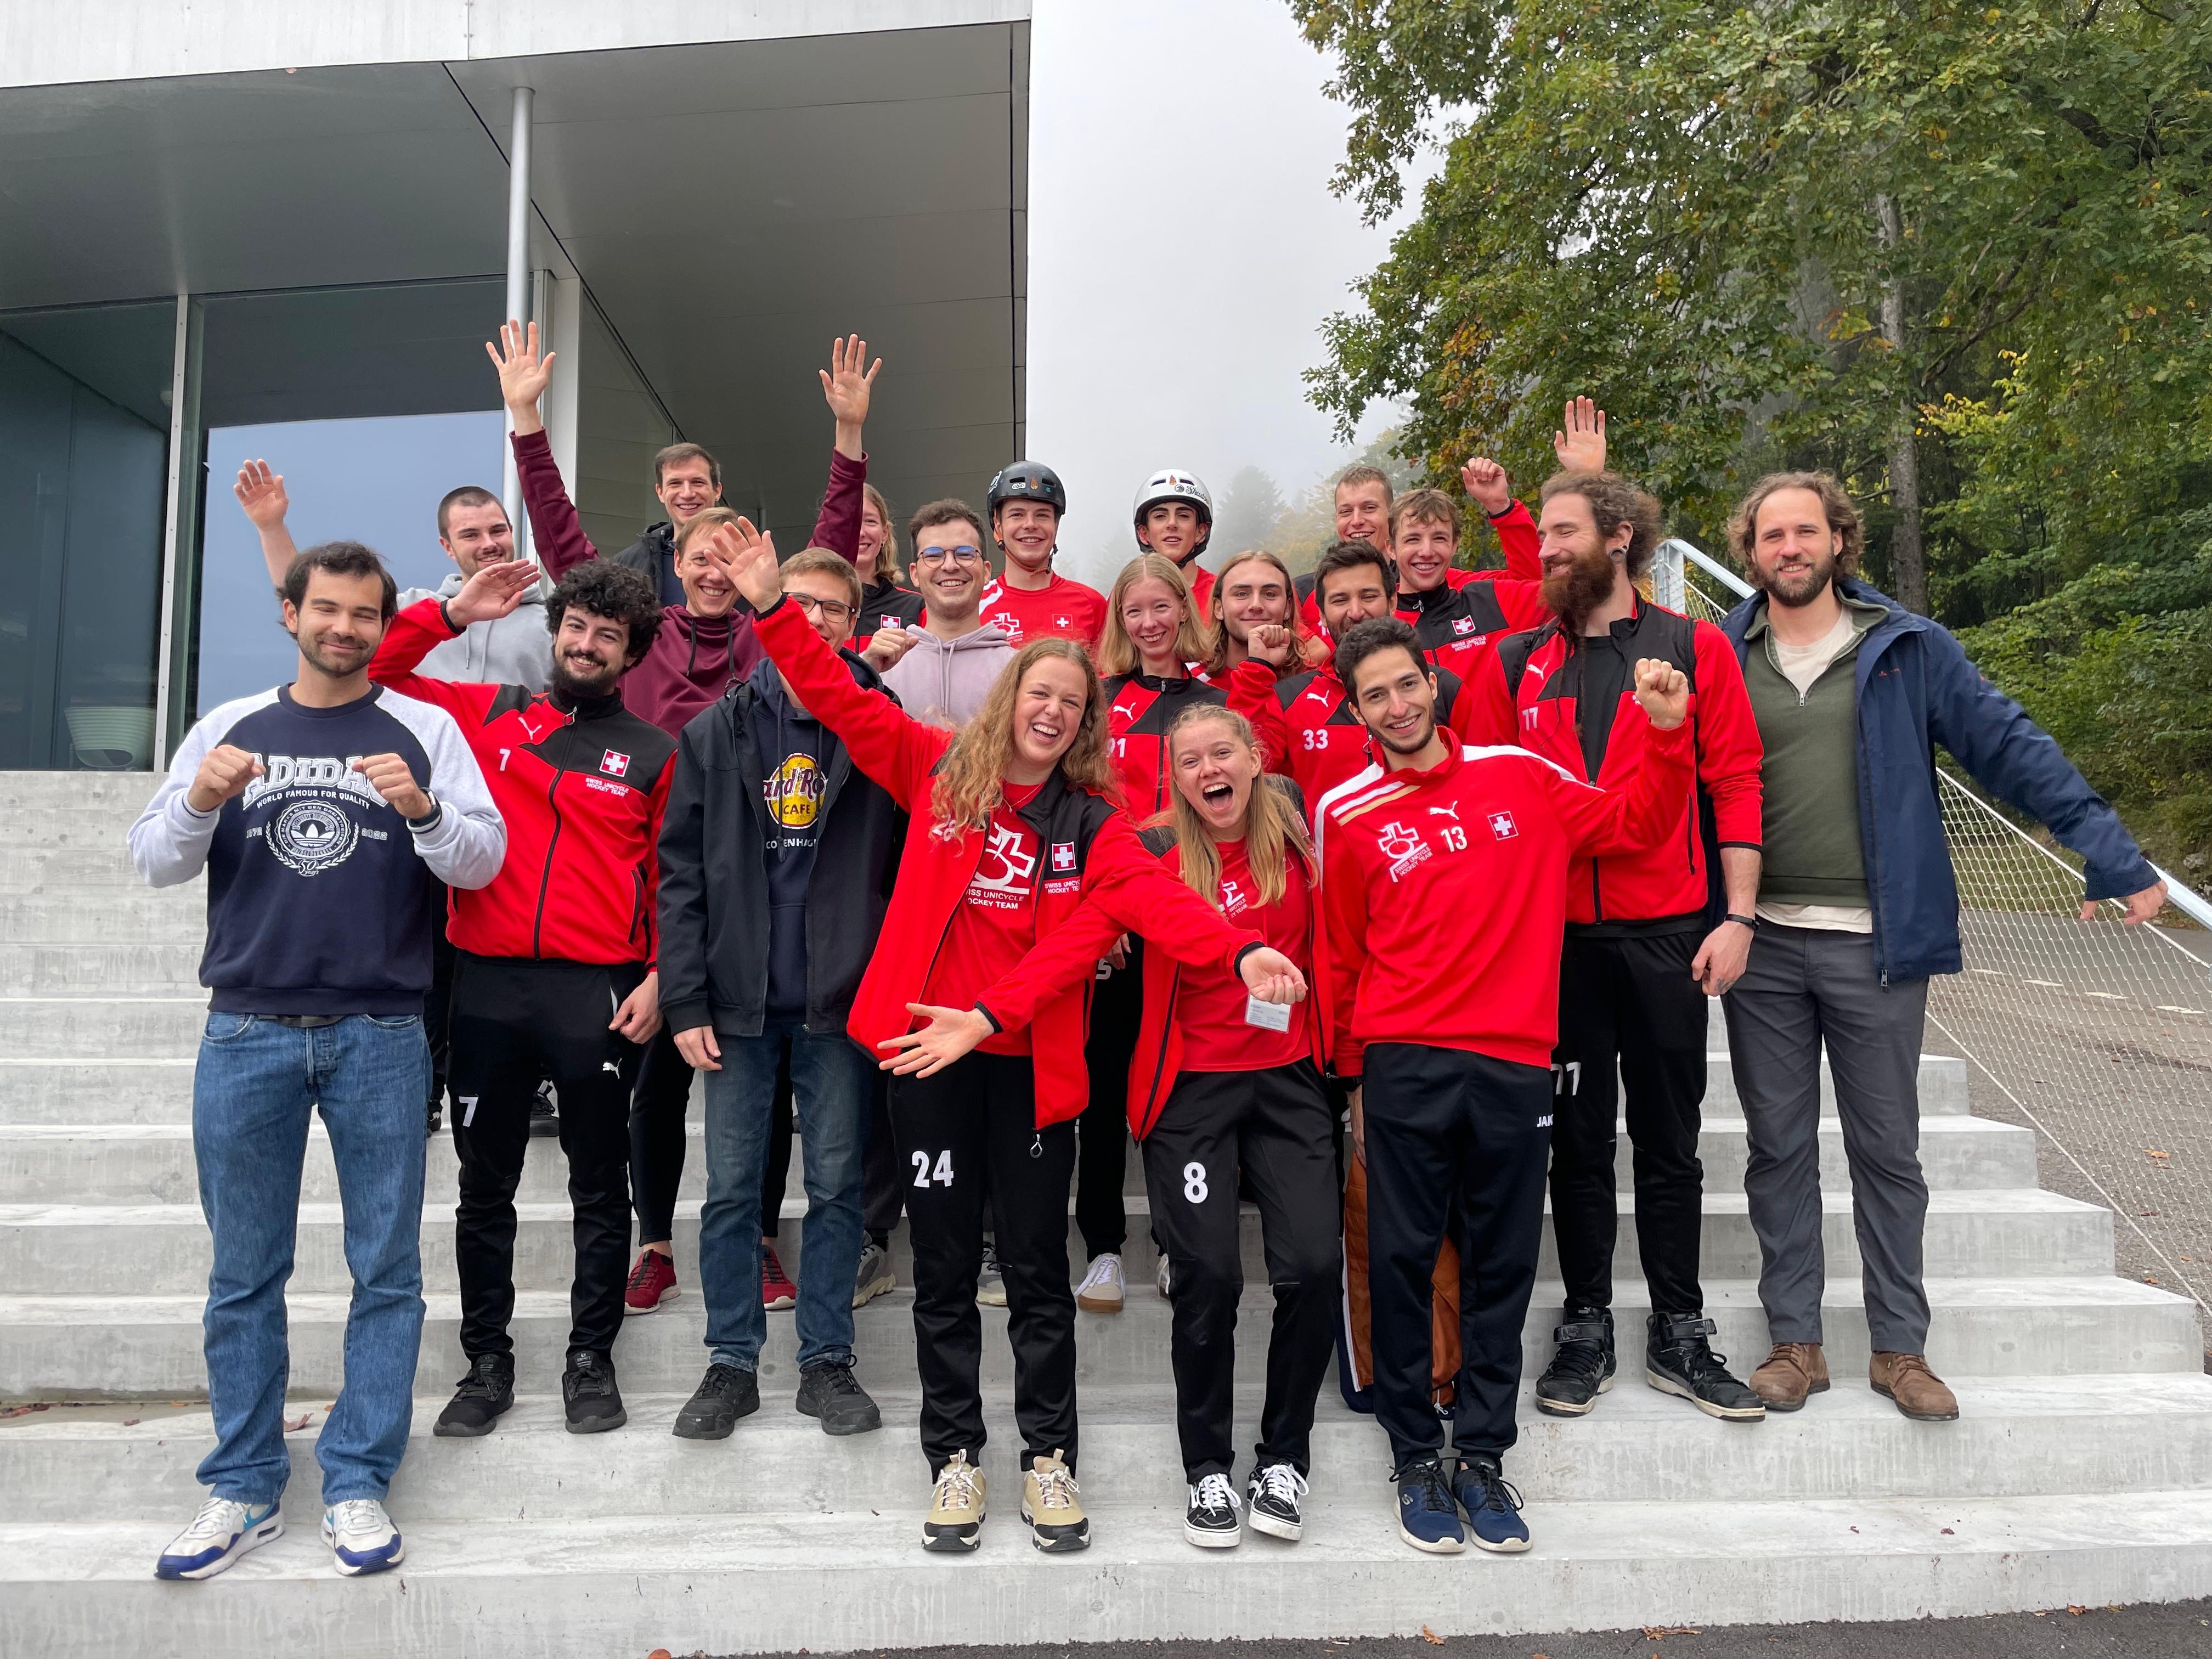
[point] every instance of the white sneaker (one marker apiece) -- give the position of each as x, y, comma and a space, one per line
1273, 1494
990, 1282
1211, 1520
1160, 1278
362, 1537
222, 1531
1102, 1289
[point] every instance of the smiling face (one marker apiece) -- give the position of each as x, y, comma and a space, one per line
1152, 614
1027, 531
1172, 528
687, 487
339, 622
1047, 714
707, 590
870, 542
1250, 594
827, 602
1362, 513
949, 569
1353, 595
1396, 700
1216, 771
478, 534
1425, 549
1579, 562
1793, 550
590, 653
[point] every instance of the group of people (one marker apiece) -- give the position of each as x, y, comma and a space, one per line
1377, 897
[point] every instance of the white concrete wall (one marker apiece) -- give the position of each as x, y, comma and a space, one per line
44, 44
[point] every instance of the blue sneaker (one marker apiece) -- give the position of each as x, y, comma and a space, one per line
1427, 1517
1493, 1506
222, 1531
362, 1537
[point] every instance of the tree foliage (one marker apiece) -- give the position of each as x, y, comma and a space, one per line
1696, 212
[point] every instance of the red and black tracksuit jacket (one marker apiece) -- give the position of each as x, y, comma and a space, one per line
1139, 709
1562, 697
1089, 852
1460, 623
1308, 728
1517, 539
582, 790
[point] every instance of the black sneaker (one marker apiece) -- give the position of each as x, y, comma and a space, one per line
588, 1392
724, 1394
1272, 1494
543, 1120
827, 1390
485, 1392
1210, 1521
1677, 1359
1582, 1366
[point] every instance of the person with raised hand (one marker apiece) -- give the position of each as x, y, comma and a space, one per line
1012, 827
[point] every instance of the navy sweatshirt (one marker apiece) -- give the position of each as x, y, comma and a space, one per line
321, 898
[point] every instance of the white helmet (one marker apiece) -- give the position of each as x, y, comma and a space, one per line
1172, 484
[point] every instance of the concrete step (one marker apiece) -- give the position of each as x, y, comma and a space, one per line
171, 916
2016, 1437
107, 1093
82, 1346
37, 798
105, 1027
687, 1582
138, 968
163, 1248
82, 862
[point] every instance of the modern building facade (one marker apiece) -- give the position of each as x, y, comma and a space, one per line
232, 228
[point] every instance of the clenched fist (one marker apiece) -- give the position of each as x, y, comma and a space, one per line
224, 773
1664, 691
391, 777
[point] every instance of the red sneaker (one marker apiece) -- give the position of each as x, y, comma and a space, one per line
652, 1282
777, 1291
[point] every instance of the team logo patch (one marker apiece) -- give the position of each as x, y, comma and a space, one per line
1463, 624
1502, 826
614, 765
1063, 857
1402, 845
1063, 622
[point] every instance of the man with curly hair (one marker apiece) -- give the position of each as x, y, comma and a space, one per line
556, 975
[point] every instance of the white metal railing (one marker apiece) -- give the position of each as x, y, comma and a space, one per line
2095, 1035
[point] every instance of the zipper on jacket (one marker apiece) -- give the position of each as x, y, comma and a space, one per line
545, 877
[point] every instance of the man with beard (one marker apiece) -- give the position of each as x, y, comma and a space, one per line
1444, 892
556, 973
1857, 905
1641, 941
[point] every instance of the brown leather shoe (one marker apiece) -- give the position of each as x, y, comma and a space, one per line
1793, 1371
1919, 1393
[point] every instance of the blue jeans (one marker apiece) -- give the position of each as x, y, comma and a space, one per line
832, 1098
255, 1086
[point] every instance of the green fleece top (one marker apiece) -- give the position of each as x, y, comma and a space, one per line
1811, 851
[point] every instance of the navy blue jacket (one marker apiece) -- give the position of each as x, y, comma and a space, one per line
1916, 689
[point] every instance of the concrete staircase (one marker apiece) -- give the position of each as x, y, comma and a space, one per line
2080, 1471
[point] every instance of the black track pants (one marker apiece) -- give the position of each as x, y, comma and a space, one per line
1273, 1127
516, 1021
1443, 1124
1630, 1001
438, 1007
1117, 1009
975, 1118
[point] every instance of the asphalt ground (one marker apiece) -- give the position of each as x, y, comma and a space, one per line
2177, 1629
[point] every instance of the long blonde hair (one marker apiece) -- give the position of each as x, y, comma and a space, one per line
970, 778
1194, 639
1273, 832
887, 565
1216, 660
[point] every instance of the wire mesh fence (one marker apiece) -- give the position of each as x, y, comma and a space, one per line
2095, 1035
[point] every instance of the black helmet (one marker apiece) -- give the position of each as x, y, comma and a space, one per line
1027, 481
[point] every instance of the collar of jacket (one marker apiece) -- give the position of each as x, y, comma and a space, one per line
586, 709
988, 634
1886, 620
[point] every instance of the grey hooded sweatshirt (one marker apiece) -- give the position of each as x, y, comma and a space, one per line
944, 682
511, 650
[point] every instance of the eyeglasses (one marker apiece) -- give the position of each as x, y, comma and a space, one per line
836, 610
962, 554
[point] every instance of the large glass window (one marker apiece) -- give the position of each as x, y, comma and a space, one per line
84, 437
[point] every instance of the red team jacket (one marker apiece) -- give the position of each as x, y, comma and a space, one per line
1062, 609
1091, 853
1527, 694
582, 793
1516, 538
1444, 892
1308, 728
1139, 709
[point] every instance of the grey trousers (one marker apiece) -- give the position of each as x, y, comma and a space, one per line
1802, 989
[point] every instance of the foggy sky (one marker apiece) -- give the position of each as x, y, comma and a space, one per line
1183, 250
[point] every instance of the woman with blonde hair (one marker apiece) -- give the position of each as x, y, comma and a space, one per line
1155, 638
1219, 1090
885, 601
1012, 829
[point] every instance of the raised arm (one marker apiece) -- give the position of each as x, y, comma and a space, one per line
847, 391
1648, 806
261, 497
494, 591
556, 534
1492, 490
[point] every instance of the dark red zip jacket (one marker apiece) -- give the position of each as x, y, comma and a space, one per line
1529, 694
1139, 709
582, 790
1090, 853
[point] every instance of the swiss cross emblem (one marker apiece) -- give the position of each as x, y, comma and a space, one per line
614, 765
1463, 624
1501, 825
1063, 622
1063, 856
